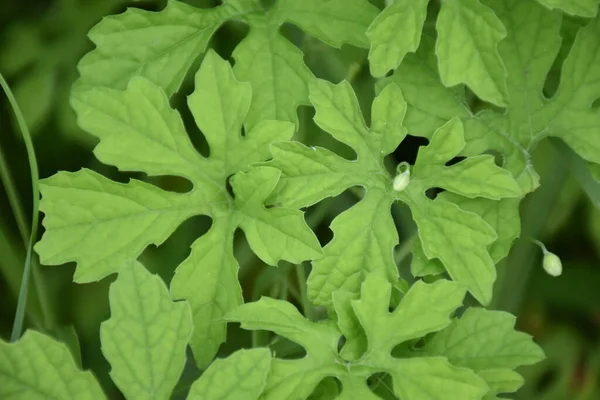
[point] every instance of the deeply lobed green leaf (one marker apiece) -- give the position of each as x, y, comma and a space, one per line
103, 225
39, 367
161, 46
365, 235
424, 309
146, 336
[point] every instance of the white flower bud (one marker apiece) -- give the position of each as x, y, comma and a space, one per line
552, 264
401, 181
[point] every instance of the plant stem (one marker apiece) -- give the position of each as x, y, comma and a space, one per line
513, 275
20, 216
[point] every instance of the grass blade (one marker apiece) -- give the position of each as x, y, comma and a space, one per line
33, 169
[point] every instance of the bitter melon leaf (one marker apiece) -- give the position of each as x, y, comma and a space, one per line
501, 381
365, 235
528, 52
582, 8
242, 375
424, 309
103, 225
485, 341
502, 215
146, 336
467, 49
162, 46
420, 265
394, 33
39, 367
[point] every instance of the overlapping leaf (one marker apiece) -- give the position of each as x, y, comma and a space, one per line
242, 375
147, 334
38, 367
486, 342
425, 309
365, 235
582, 8
528, 52
104, 225
161, 46
466, 48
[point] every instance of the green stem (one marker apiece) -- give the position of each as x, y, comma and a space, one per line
17, 209
513, 275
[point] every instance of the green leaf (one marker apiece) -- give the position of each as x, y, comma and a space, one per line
486, 342
501, 215
365, 235
146, 336
104, 225
582, 8
240, 376
162, 46
528, 53
467, 49
424, 309
483, 339
421, 265
38, 367
389, 43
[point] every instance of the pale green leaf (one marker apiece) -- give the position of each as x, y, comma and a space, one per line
212, 265
528, 52
486, 342
335, 22
38, 367
104, 225
273, 234
420, 265
394, 33
424, 309
365, 235
160, 46
349, 325
501, 381
435, 378
428, 307
467, 49
146, 336
501, 215
582, 8
483, 339
242, 375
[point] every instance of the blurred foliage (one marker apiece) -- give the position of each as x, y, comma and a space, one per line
40, 44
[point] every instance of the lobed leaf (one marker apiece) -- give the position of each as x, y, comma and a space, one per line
241, 375
146, 336
394, 33
38, 367
365, 235
103, 225
424, 309
161, 46
467, 49
486, 342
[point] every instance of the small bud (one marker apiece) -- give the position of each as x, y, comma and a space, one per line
401, 181
552, 264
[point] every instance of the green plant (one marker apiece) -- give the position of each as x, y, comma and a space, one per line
486, 80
